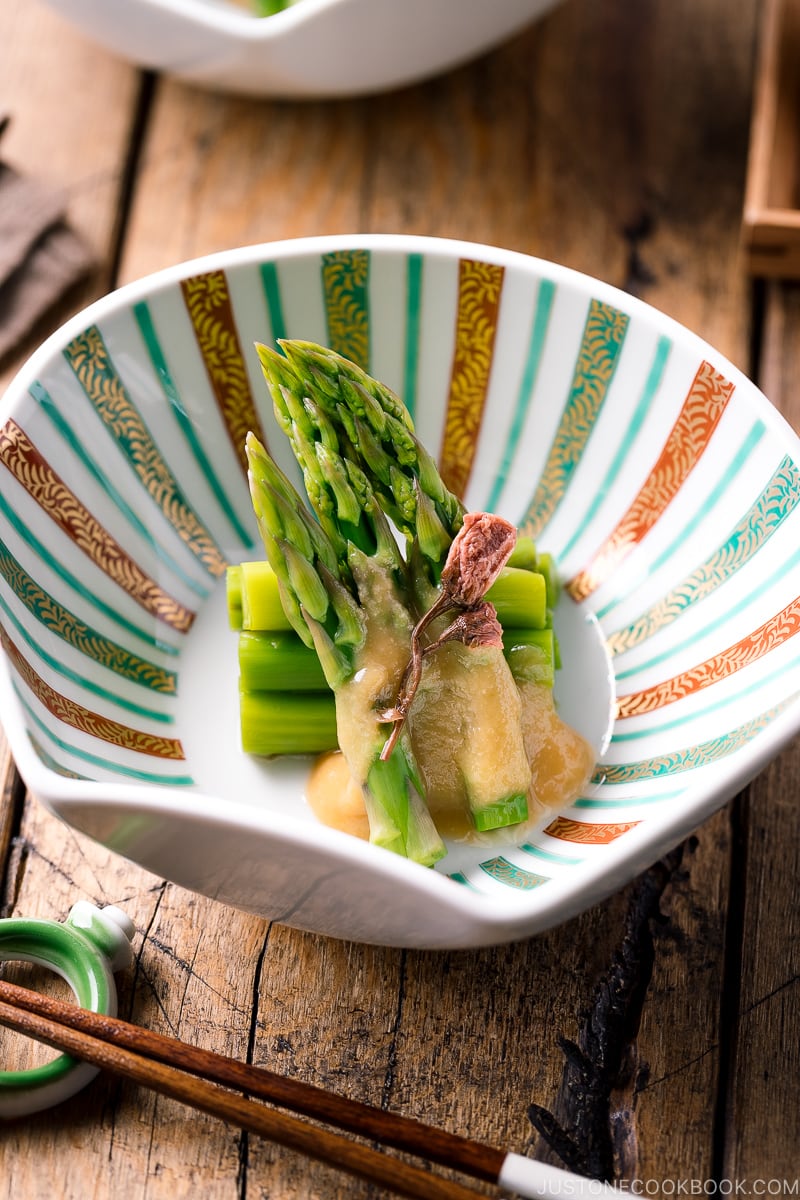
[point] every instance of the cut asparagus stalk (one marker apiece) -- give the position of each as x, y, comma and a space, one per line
531, 651
287, 722
524, 554
490, 759
261, 604
233, 596
531, 655
545, 565
277, 661
520, 599
498, 814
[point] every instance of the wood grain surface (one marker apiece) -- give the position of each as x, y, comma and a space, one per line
657, 1036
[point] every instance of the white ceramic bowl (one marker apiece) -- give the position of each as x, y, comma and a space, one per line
663, 481
315, 48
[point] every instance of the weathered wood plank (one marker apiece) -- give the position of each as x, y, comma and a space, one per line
616, 170
672, 1082
764, 1113
71, 110
591, 139
193, 977
763, 1124
10, 803
243, 171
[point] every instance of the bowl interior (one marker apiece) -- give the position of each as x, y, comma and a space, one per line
663, 482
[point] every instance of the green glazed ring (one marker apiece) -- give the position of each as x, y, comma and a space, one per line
85, 951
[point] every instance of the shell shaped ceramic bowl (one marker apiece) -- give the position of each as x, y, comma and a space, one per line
662, 480
315, 48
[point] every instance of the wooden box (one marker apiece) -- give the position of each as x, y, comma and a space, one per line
771, 222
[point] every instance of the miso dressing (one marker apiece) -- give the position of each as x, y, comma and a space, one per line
467, 725
561, 761
378, 670
503, 735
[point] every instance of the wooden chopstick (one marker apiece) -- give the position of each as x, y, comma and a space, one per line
195, 1077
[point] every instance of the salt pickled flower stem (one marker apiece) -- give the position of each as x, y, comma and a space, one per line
477, 555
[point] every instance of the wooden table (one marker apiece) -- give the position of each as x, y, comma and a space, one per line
656, 1038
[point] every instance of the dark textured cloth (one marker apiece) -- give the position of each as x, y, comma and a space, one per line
40, 256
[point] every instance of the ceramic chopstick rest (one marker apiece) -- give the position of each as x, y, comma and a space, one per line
85, 950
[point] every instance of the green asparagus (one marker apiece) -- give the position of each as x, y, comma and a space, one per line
276, 661
345, 638
287, 722
359, 455
331, 590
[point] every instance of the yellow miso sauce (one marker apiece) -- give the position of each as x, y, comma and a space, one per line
466, 723
503, 736
379, 669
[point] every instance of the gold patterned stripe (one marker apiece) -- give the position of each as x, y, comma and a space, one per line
699, 416
208, 303
772, 633
88, 356
586, 833
71, 629
345, 274
29, 467
479, 288
83, 719
601, 343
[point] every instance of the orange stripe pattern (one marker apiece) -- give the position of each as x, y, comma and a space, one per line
772, 633
588, 834
209, 306
29, 467
691, 433
479, 288
84, 719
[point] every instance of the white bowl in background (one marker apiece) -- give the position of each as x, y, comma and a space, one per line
316, 48
662, 480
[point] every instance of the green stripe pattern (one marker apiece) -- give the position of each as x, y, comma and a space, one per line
596, 362
144, 320
513, 876
414, 268
711, 750
88, 356
541, 317
627, 441
65, 624
775, 503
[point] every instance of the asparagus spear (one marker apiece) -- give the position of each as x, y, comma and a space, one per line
343, 601
333, 412
317, 392
519, 596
